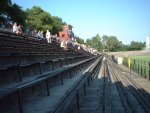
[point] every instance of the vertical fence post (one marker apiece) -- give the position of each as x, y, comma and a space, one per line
20, 74
126, 61
52, 65
62, 83
47, 87
84, 90
60, 61
76, 70
77, 97
135, 65
144, 70
138, 67
131, 64
40, 66
88, 82
149, 72
20, 101
141, 69
70, 73
19, 66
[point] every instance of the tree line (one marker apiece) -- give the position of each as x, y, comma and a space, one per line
35, 17
111, 44
39, 19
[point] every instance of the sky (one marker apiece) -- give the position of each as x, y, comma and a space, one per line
128, 20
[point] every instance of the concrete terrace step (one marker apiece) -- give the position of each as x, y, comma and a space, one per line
86, 110
91, 101
14, 86
58, 93
45, 103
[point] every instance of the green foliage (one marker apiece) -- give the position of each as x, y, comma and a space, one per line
89, 42
95, 42
17, 14
38, 19
139, 64
137, 45
57, 24
4, 4
104, 40
42, 20
11, 12
79, 40
35, 17
112, 43
145, 58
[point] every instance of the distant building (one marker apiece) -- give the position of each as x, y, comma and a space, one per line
148, 43
66, 33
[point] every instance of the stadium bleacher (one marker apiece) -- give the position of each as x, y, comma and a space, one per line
30, 67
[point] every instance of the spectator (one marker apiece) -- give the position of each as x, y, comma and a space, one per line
34, 33
15, 27
63, 45
48, 36
19, 31
41, 34
79, 47
28, 32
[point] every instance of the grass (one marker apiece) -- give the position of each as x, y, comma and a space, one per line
140, 64
143, 58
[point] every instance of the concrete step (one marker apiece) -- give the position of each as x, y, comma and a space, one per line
90, 102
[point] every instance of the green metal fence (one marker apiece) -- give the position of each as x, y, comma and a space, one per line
141, 67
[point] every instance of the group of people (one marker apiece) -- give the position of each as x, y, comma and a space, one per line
63, 43
17, 29
34, 33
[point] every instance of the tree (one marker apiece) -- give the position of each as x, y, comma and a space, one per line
89, 42
4, 4
35, 17
125, 47
17, 14
113, 43
11, 12
57, 24
38, 19
104, 40
43, 20
137, 45
96, 42
79, 40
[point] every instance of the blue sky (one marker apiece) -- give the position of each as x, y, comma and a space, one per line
129, 20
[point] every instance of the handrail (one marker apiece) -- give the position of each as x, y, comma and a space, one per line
42, 78
77, 84
46, 60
